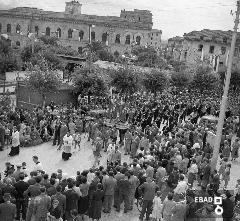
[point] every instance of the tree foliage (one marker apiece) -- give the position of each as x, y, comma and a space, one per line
148, 57
41, 78
125, 80
155, 81
235, 78
181, 79
203, 78
88, 83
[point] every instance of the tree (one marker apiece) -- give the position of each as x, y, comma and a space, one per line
125, 80
148, 57
88, 83
203, 78
181, 79
42, 79
155, 81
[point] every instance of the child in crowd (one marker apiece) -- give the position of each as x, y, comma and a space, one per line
77, 140
226, 175
157, 207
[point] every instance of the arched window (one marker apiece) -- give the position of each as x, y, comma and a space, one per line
9, 28
70, 33
18, 29
104, 37
81, 34
138, 40
93, 37
117, 40
80, 50
18, 43
0, 27
48, 31
59, 33
127, 42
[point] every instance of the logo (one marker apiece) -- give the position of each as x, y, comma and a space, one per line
215, 200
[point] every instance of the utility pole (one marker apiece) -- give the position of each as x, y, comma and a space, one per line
225, 93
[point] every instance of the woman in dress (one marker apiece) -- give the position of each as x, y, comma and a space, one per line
95, 208
15, 142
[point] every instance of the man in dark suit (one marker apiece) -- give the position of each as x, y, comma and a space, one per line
34, 190
21, 201
7, 209
61, 199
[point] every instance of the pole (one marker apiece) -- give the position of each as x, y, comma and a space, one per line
90, 39
32, 46
225, 93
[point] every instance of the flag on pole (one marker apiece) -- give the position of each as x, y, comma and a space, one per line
227, 58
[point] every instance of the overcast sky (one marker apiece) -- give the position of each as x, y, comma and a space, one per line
173, 17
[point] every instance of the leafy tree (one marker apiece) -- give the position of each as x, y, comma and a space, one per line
48, 40
235, 78
181, 79
41, 78
88, 83
155, 81
125, 80
203, 78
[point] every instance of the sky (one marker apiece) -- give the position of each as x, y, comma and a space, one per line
173, 17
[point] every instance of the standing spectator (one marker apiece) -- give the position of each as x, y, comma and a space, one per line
63, 132
83, 202
134, 183
168, 205
42, 205
21, 201
61, 199
228, 207
118, 177
206, 173
95, 208
128, 141
124, 190
51, 190
192, 172
148, 189
7, 209
226, 150
55, 211
108, 188
157, 207
179, 210
71, 201
235, 149
2, 137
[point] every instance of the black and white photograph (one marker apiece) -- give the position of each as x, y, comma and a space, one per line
119, 110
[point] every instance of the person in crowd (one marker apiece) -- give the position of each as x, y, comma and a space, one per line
38, 166
61, 198
148, 190
157, 207
83, 202
55, 211
15, 142
96, 203
67, 143
7, 209
168, 205
228, 207
21, 202
2, 137
109, 186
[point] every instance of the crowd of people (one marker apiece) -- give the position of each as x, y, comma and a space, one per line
169, 144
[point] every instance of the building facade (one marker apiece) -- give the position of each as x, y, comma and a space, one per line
211, 45
75, 29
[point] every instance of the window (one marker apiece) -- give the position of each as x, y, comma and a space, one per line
9, 28
138, 40
48, 31
127, 42
157, 34
0, 27
200, 47
236, 52
36, 30
211, 49
104, 37
220, 63
18, 29
225, 40
223, 50
201, 37
151, 38
81, 34
70, 33
18, 43
139, 19
93, 37
117, 40
59, 33
80, 50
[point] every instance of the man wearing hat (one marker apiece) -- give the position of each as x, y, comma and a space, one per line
7, 209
